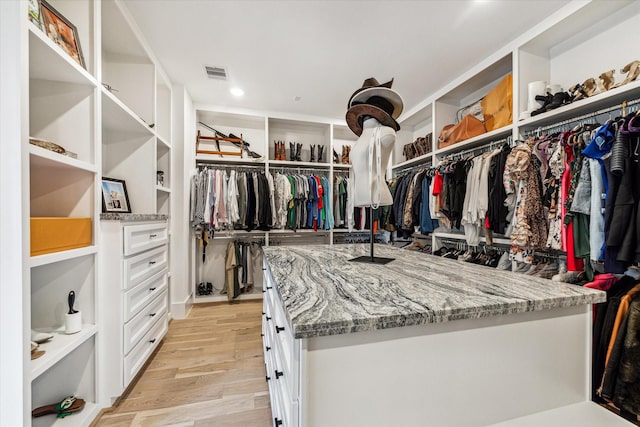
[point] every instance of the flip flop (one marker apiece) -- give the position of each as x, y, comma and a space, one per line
63, 408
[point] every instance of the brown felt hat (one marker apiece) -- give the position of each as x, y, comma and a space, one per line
376, 100
377, 107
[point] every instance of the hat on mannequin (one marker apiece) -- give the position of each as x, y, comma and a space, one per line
375, 100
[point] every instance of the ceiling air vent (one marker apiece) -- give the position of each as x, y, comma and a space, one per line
216, 72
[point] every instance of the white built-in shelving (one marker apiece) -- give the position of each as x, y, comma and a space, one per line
124, 134
559, 51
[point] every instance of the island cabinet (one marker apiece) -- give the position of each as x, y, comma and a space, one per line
422, 341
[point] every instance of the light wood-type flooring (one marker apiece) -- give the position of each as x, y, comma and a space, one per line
209, 371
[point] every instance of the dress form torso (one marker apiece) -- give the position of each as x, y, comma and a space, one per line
368, 171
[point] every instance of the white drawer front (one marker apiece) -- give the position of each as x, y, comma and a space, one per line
140, 237
142, 294
135, 329
140, 267
141, 352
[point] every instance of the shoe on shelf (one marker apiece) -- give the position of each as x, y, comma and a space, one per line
606, 81
320, 153
298, 152
336, 157
312, 157
65, 407
632, 70
40, 337
292, 151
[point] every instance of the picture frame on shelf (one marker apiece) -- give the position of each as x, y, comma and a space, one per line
115, 198
61, 31
35, 13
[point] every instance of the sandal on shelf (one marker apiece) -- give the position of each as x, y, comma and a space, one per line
606, 81
590, 87
546, 100
65, 407
632, 70
35, 353
558, 100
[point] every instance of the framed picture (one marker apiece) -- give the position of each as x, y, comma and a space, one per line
114, 196
35, 15
61, 31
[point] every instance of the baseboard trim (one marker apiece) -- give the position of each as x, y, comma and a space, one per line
180, 310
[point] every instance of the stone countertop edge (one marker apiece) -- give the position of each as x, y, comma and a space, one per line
354, 321
132, 217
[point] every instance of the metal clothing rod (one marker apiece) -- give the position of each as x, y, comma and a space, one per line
404, 169
481, 149
634, 103
202, 165
297, 170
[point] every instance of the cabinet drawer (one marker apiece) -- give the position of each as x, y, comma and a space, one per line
142, 266
141, 352
142, 294
138, 238
135, 329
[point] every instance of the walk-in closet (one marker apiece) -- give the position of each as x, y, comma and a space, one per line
274, 213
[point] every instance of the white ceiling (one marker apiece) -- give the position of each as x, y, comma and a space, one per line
321, 51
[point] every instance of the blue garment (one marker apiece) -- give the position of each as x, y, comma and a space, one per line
427, 224
312, 202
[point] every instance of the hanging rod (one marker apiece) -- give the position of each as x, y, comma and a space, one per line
407, 168
626, 104
299, 170
480, 149
204, 165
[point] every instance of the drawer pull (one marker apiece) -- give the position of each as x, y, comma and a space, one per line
269, 287
267, 377
279, 374
267, 348
279, 329
263, 313
151, 236
152, 262
152, 314
278, 421
262, 335
268, 318
263, 291
264, 269
152, 289
152, 341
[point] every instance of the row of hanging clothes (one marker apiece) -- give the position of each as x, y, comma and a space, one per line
233, 199
616, 342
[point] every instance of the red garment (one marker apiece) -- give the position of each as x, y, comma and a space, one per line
573, 263
437, 184
602, 282
320, 191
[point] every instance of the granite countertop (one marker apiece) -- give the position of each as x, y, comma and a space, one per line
132, 217
325, 294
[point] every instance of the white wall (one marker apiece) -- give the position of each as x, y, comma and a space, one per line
14, 395
183, 149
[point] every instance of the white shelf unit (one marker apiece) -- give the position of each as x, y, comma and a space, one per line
63, 105
109, 134
558, 52
261, 132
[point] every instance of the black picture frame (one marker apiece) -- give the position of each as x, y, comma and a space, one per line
115, 198
61, 31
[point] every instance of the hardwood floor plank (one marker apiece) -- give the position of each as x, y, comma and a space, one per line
209, 371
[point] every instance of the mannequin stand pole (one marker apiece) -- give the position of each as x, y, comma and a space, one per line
371, 259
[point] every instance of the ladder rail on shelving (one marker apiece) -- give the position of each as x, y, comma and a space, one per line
217, 140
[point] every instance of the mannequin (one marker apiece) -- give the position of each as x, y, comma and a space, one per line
369, 158
371, 115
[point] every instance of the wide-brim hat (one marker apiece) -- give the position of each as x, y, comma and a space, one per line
371, 87
378, 107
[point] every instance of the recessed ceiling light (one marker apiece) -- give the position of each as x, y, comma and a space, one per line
236, 91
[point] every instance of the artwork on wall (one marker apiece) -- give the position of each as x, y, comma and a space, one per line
61, 31
114, 196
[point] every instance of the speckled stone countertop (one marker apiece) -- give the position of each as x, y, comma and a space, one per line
325, 294
132, 217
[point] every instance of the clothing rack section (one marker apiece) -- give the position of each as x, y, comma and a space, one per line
230, 270
616, 328
471, 152
217, 140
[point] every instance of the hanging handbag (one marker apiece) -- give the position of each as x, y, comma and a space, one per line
497, 106
468, 127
